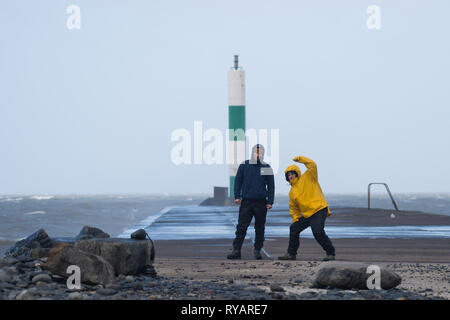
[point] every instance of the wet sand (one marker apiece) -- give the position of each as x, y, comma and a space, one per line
421, 250
381, 217
384, 248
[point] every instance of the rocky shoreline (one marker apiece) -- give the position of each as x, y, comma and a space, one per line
23, 279
126, 269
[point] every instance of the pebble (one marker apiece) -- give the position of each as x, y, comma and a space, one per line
113, 286
41, 278
277, 296
138, 286
5, 276
25, 295
8, 261
106, 292
75, 296
129, 278
275, 288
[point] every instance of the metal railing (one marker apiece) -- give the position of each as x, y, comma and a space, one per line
389, 192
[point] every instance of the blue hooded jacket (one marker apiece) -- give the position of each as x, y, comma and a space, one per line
254, 181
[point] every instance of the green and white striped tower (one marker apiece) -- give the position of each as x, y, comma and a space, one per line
236, 120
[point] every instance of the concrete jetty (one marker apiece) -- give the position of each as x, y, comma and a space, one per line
358, 234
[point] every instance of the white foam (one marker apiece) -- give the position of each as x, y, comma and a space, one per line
10, 240
11, 199
35, 212
42, 197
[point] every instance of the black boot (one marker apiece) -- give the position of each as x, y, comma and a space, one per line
257, 254
236, 254
287, 256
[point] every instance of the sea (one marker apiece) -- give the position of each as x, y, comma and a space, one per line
65, 215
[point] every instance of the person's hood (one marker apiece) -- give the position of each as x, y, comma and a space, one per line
295, 168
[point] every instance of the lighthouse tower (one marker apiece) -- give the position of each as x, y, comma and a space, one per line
236, 120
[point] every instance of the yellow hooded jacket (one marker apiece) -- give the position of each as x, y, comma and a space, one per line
306, 196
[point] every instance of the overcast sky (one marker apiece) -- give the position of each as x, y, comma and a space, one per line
92, 110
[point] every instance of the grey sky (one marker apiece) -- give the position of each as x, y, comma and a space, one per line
92, 110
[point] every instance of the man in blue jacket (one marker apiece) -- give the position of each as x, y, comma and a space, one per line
254, 190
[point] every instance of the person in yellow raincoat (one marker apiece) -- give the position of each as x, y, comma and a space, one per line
308, 208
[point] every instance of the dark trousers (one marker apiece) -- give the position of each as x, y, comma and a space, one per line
248, 210
317, 224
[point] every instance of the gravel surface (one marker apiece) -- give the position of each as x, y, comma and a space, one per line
203, 279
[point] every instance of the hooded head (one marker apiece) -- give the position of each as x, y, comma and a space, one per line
258, 153
295, 169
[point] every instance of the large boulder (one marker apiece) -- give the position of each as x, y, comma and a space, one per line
352, 275
91, 232
127, 256
94, 269
37, 245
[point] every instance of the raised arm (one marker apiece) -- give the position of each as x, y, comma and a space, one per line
309, 164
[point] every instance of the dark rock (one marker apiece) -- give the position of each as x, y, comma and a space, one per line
275, 288
106, 292
25, 259
29, 264
113, 286
94, 269
7, 286
91, 232
343, 275
5, 276
40, 252
277, 296
150, 271
127, 256
139, 234
138, 286
31, 274
8, 261
21, 284
36, 245
11, 270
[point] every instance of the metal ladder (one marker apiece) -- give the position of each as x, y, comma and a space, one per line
389, 192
